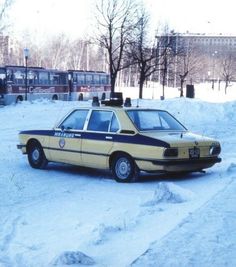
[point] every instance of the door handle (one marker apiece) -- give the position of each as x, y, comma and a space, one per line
109, 137
77, 135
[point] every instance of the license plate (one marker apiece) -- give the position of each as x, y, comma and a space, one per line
194, 153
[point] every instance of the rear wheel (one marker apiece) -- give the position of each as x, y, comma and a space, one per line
55, 97
19, 99
36, 156
124, 168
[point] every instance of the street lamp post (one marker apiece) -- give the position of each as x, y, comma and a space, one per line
213, 69
26, 55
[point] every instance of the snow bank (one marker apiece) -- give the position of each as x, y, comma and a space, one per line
73, 258
169, 193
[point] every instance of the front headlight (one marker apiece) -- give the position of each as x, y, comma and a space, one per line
215, 149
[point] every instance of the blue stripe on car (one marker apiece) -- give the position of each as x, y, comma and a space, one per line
121, 138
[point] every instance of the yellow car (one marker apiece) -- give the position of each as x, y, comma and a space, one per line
125, 140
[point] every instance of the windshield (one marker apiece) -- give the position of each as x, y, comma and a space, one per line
149, 120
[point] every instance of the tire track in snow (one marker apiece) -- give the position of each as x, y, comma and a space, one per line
6, 241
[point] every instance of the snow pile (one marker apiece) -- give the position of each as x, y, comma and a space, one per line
169, 193
232, 167
205, 238
73, 258
102, 232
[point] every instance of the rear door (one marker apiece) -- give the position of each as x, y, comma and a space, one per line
98, 140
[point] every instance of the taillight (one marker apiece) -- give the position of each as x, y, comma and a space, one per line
215, 150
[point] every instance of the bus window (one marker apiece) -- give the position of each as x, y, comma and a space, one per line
32, 77
80, 78
54, 78
103, 79
89, 78
96, 78
74, 77
2, 80
19, 76
63, 78
9, 75
43, 77
108, 79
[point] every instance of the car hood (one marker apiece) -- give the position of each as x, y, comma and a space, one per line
176, 139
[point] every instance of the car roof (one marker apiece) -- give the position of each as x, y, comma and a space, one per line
115, 108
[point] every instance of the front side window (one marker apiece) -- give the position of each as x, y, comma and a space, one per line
75, 121
149, 120
100, 121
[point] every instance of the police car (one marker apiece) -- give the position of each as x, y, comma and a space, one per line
123, 139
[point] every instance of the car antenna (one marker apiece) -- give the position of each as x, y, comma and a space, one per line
137, 106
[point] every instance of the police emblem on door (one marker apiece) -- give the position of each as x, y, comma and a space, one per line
62, 142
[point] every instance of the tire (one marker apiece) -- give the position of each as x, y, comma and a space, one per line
124, 168
36, 156
19, 99
55, 97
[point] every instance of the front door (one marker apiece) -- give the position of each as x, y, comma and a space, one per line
65, 144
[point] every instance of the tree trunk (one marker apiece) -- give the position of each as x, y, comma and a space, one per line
141, 83
226, 85
181, 88
113, 82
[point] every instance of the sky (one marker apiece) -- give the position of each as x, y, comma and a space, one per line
75, 17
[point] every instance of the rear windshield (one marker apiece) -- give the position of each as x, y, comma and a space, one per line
149, 120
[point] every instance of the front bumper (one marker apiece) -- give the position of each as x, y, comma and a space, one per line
22, 148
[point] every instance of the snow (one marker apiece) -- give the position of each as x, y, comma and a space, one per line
73, 216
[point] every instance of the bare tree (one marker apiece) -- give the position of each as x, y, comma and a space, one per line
56, 52
188, 62
76, 55
115, 21
144, 55
166, 55
228, 69
4, 7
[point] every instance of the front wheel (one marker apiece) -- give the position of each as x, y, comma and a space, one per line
36, 156
124, 168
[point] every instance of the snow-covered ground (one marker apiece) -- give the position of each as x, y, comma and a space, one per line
71, 216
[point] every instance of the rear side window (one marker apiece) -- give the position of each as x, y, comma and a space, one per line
103, 121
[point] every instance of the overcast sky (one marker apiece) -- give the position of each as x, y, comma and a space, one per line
74, 17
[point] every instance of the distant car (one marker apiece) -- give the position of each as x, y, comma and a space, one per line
125, 140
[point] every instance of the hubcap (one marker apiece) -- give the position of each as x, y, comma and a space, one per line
35, 154
123, 168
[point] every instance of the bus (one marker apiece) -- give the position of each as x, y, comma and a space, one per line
18, 83
86, 84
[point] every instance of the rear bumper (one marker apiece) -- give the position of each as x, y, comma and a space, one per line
186, 161
177, 165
